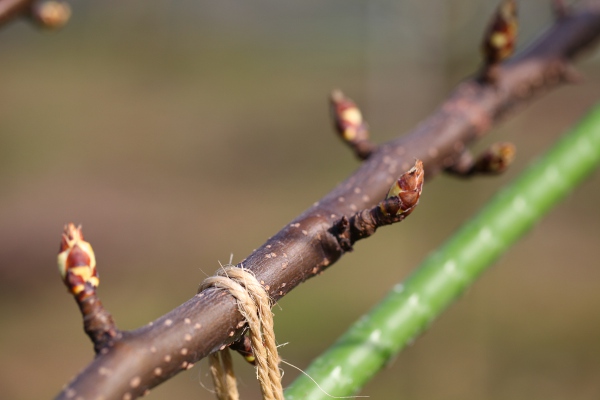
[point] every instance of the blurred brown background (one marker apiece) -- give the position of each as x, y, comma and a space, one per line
180, 132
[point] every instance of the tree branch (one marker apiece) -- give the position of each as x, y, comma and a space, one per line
50, 14
144, 358
10, 9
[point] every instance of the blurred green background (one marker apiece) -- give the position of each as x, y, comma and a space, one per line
178, 133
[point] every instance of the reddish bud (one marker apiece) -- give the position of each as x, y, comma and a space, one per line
347, 119
500, 38
51, 14
76, 261
404, 194
244, 347
496, 159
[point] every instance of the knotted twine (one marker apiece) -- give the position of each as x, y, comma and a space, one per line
254, 305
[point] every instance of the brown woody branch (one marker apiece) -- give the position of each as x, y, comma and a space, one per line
50, 14
144, 358
11, 9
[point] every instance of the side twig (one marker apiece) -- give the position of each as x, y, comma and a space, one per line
495, 160
350, 126
77, 266
400, 201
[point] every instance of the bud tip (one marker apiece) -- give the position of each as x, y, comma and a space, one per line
76, 261
405, 192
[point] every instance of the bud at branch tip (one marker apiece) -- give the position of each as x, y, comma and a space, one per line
501, 35
496, 159
77, 262
404, 194
50, 14
350, 125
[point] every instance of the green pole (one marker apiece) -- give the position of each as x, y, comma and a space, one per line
410, 307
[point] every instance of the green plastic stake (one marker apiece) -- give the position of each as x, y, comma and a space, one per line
410, 307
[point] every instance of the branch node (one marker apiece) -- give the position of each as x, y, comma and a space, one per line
350, 126
341, 231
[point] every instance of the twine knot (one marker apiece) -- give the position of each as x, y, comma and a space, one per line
254, 305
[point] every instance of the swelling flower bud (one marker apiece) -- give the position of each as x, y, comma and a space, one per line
347, 119
404, 194
500, 38
51, 14
76, 262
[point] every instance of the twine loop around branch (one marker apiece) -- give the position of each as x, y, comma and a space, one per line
254, 305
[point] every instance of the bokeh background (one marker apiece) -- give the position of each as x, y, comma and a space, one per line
179, 133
